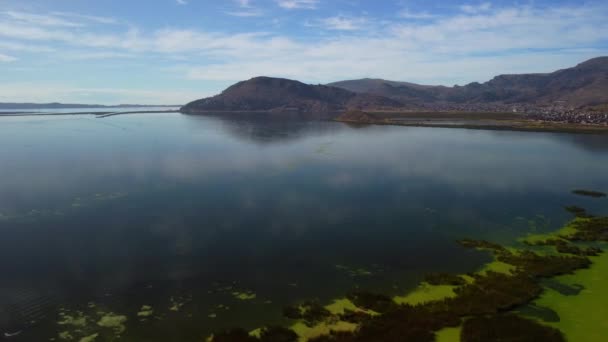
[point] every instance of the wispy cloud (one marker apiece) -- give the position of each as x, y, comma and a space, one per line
6, 58
407, 14
89, 18
181, 2
42, 20
472, 9
245, 10
298, 4
340, 23
13, 46
243, 3
446, 49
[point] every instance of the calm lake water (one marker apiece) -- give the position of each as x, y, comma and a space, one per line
217, 223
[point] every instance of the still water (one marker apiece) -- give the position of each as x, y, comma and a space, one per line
215, 223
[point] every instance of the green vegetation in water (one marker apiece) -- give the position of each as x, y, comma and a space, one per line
583, 316
114, 322
480, 306
444, 279
89, 338
311, 312
589, 193
145, 311
246, 295
507, 328
91, 325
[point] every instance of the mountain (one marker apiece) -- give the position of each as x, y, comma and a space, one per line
583, 85
278, 95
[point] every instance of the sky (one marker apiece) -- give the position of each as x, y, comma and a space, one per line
175, 51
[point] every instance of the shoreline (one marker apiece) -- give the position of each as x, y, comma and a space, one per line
464, 120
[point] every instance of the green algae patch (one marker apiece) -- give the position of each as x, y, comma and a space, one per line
145, 311
112, 321
498, 267
75, 321
344, 305
66, 335
257, 333
448, 335
176, 305
306, 332
248, 295
584, 317
426, 293
507, 327
90, 338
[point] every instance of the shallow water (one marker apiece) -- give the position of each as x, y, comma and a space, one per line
217, 223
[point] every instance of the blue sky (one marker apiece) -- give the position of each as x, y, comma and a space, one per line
174, 51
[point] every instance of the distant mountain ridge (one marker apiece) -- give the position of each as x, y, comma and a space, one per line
278, 94
57, 105
583, 85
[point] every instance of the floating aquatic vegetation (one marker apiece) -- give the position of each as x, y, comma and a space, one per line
345, 306
589, 193
176, 304
583, 316
425, 293
88, 325
444, 279
507, 328
310, 312
66, 335
77, 320
145, 311
246, 295
89, 338
113, 321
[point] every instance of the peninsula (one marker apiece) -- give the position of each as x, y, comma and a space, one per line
571, 100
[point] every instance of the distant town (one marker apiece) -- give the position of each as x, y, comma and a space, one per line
560, 111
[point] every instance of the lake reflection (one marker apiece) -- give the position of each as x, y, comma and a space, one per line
155, 209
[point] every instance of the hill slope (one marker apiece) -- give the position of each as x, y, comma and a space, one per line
277, 94
583, 85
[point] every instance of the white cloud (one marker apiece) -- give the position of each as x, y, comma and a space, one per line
482, 7
181, 2
449, 49
243, 3
340, 23
245, 14
245, 10
6, 58
407, 14
13, 46
89, 18
297, 4
42, 20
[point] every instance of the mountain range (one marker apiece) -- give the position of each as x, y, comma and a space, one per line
584, 85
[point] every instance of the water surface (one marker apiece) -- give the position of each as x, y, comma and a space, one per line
162, 209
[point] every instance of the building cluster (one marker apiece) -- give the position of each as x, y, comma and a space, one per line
557, 112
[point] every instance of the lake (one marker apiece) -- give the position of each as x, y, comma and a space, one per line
189, 224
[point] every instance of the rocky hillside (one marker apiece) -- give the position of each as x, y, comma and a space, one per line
277, 94
583, 85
